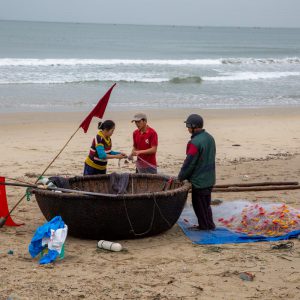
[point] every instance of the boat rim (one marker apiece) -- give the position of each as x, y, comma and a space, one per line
185, 187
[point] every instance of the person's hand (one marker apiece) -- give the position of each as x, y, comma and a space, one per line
120, 156
136, 153
124, 155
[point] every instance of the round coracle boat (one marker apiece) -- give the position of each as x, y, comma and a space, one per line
149, 204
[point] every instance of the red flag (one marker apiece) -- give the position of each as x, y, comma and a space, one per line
4, 206
98, 110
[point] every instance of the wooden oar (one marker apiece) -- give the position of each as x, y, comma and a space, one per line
33, 186
3, 219
275, 183
255, 188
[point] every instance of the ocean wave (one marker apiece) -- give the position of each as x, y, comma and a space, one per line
143, 78
86, 81
125, 80
175, 80
256, 61
191, 79
250, 76
33, 62
52, 62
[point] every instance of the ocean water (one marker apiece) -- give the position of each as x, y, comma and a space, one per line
68, 66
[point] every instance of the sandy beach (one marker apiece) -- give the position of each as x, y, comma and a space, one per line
253, 145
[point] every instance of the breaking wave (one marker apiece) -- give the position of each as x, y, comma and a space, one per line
191, 79
49, 62
143, 78
250, 76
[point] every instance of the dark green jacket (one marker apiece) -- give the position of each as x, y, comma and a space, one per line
199, 166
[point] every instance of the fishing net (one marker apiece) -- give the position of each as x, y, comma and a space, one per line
267, 219
142, 166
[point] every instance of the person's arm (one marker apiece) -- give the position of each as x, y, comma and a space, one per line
153, 146
132, 151
114, 152
151, 150
189, 162
133, 146
117, 153
103, 155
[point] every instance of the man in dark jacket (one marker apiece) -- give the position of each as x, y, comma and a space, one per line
199, 168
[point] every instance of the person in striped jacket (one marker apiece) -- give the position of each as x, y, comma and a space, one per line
101, 150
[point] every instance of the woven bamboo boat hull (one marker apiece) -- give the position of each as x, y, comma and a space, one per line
144, 210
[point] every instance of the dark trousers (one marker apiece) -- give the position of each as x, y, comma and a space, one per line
201, 199
88, 170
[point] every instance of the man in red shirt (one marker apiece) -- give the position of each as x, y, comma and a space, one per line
145, 143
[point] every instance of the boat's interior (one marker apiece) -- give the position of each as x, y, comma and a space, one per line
135, 184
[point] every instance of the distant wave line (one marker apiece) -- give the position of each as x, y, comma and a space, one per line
175, 80
239, 76
91, 81
235, 76
34, 62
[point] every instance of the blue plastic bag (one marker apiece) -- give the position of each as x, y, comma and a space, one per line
51, 235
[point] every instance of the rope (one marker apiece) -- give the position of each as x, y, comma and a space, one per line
130, 223
131, 185
155, 204
28, 194
147, 164
152, 219
165, 219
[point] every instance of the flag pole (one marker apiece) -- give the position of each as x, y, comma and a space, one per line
98, 111
61, 150
3, 219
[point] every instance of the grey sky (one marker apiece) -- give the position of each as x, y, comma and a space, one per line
261, 13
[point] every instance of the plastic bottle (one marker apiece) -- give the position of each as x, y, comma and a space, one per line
43, 180
109, 245
46, 182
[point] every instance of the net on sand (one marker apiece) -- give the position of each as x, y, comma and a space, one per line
267, 219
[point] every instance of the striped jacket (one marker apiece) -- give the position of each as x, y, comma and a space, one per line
101, 146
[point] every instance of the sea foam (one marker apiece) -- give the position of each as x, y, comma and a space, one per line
35, 62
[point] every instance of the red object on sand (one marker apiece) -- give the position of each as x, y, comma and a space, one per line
4, 206
98, 110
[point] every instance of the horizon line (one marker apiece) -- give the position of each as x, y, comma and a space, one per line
166, 25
